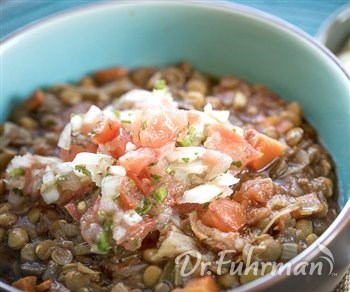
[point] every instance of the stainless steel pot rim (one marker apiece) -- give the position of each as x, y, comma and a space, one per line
342, 220
339, 15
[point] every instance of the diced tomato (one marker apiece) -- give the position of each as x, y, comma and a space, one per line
105, 131
225, 215
155, 128
141, 229
128, 202
89, 225
135, 161
73, 211
78, 145
117, 146
130, 195
270, 149
26, 284
255, 192
138, 231
229, 142
68, 195
110, 74
202, 284
193, 118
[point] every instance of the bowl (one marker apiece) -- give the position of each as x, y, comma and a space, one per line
336, 29
218, 38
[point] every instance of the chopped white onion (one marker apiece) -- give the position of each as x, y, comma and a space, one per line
218, 116
130, 147
65, 138
203, 194
95, 163
131, 218
196, 167
138, 99
225, 179
49, 176
76, 122
117, 170
110, 186
185, 154
175, 243
50, 195
92, 115
118, 232
217, 188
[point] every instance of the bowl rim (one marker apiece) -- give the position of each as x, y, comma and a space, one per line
342, 220
326, 26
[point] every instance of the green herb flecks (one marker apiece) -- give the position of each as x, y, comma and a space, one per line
188, 141
126, 121
185, 159
155, 177
144, 125
160, 85
16, 172
237, 163
170, 171
144, 207
117, 114
153, 163
92, 133
17, 191
160, 194
103, 245
82, 168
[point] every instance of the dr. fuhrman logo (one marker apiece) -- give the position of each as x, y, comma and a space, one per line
192, 260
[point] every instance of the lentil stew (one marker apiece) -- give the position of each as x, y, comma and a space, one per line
106, 182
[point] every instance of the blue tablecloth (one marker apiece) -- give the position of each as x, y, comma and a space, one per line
307, 14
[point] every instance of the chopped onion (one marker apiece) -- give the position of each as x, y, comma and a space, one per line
25, 161
76, 122
280, 213
110, 186
92, 115
50, 195
96, 165
224, 163
49, 176
225, 180
118, 232
135, 97
197, 167
65, 139
218, 116
175, 243
117, 170
185, 154
205, 193
139, 99
130, 147
131, 218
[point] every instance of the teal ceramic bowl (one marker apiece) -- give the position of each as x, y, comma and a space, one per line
217, 38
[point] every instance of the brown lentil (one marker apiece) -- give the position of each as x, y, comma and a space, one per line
44, 249
294, 136
151, 276
7, 219
17, 238
34, 215
28, 253
62, 256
